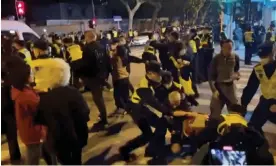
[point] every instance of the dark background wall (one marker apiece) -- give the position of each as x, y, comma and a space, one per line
53, 9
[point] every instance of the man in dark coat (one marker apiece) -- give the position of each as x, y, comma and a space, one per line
62, 108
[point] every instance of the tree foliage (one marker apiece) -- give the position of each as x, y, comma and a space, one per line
157, 4
192, 8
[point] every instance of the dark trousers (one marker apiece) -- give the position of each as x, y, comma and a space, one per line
48, 154
144, 122
130, 86
96, 88
207, 58
227, 96
262, 113
121, 92
70, 155
248, 54
74, 80
157, 145
12, 137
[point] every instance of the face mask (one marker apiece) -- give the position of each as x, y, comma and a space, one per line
167, 86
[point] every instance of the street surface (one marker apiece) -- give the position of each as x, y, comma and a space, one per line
103, 146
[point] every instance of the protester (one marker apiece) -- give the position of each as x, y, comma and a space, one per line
94, 72
26, 101
224, 69
62, 109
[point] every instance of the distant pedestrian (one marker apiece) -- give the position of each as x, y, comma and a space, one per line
237, 37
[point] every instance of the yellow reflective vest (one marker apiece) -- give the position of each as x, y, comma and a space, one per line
27, 54
192, 44
75, 52
268, 86
115, 33
150, 49
163, 30
272, 36
248, 37
130, 33
135, 98
57, 48
229, 120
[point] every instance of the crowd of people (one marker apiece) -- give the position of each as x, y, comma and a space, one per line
41, 97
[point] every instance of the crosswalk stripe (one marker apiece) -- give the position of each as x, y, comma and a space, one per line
206, 102
207, 93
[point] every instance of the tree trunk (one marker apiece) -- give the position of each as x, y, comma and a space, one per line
196, 16
205, 14
131, 12
154, 17
130, 20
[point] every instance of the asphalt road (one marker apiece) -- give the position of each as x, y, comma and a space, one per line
103, 146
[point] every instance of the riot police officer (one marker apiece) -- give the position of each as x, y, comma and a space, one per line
263, 75
248, 43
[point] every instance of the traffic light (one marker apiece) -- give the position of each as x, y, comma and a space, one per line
20, 8
92, 23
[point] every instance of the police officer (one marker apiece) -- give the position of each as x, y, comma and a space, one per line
221, 125
73, 56
22, 51
270, 34
114, 33
168, 86
194, 44
249, 38
149, 53
263, 75
130, 34
56, 47
163, 49
142, 115
207, 51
